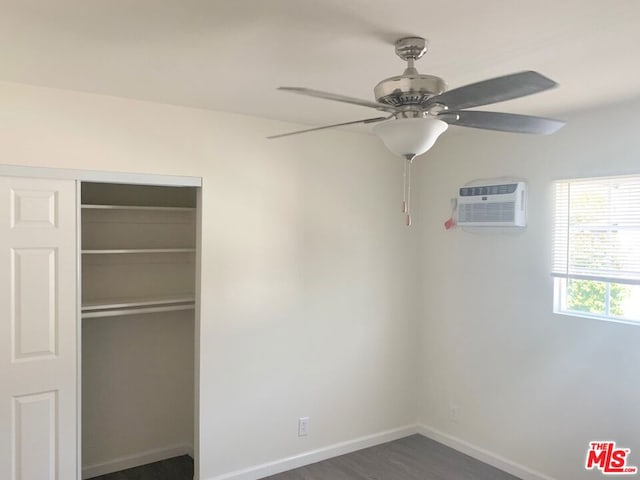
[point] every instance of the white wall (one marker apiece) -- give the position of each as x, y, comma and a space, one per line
531, 386
306, 266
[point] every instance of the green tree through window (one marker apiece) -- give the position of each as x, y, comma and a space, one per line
591, 297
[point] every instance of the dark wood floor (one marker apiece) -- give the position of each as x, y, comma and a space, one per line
410, 458
178, 468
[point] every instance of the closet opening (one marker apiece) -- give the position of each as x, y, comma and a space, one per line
138, 321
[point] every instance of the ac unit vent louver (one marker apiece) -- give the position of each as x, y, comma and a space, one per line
495, 205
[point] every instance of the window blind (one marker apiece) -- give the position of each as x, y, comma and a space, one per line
597, 230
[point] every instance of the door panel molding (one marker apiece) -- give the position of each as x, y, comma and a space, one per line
34, 324
34, 209
35, 434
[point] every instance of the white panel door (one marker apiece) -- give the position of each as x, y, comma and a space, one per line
38, 361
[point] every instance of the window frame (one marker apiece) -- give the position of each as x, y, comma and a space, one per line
561, 281
560, 298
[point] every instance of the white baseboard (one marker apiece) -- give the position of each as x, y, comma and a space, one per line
130, 461
313, 456
481, 454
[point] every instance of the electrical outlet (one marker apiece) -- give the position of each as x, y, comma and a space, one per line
454, 413
303, 426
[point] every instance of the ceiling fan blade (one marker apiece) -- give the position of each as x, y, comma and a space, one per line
366, 120
339, 98
502, 122
494, 90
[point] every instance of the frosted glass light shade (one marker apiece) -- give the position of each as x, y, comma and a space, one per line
410, 136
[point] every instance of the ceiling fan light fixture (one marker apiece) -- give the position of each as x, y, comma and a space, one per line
410, 137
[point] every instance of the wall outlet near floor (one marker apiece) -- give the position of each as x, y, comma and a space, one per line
454, 413
303, 426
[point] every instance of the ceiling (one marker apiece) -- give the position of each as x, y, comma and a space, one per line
230, 55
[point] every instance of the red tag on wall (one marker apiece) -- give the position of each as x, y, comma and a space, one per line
449, 224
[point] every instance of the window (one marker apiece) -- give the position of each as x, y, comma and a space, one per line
596, 251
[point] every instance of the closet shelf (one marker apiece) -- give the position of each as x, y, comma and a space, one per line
112, 303
137, 311
137, 207
137, 250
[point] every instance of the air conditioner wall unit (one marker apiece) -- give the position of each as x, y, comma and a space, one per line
493, 205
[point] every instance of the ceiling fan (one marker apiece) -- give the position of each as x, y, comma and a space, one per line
418, 108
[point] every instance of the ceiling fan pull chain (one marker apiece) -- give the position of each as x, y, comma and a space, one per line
404, 189
409, 161
408, 221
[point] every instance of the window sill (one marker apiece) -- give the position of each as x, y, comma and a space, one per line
590, 316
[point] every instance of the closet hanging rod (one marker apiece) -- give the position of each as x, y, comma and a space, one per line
112, 303
136, 311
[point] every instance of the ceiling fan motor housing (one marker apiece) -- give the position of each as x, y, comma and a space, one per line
409, 89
